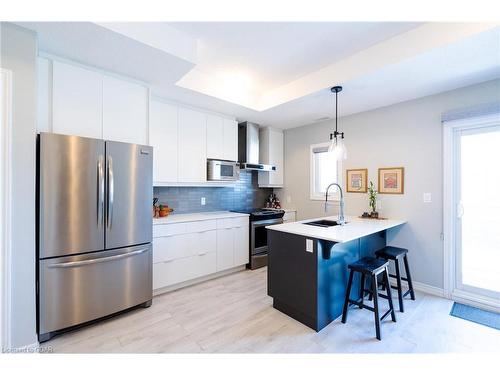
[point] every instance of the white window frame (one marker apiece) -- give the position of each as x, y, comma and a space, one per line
334, 194
451, 289
5, 206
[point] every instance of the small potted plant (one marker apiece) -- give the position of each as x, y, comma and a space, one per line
372, 200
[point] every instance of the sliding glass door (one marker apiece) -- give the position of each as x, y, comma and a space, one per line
477, 211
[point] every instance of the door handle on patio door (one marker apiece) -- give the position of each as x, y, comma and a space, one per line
111, 193
100, 191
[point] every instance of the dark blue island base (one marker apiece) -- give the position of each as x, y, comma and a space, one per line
310, 286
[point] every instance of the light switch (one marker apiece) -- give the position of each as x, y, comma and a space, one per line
203, 201
309, 245
427, 198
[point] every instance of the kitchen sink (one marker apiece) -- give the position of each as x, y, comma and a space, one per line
323, 223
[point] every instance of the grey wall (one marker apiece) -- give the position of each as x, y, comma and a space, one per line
244, 194
18, 54
408, 134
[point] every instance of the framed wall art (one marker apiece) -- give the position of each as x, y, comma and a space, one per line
391, 180
356, 180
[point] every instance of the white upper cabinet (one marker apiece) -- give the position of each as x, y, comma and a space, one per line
215, 137
125, 111
88, 103
163, 137
76, 101
192, 163
271, 152
230, 140
222, 138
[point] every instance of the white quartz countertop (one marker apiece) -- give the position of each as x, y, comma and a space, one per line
354, 229
199, 216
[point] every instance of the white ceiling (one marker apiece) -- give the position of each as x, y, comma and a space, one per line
276, 53
279, 74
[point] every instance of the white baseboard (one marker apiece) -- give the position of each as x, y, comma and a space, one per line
429, 289
421, 287
184, 284
459, 296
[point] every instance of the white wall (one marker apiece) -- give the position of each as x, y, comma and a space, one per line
407, 134
18, 54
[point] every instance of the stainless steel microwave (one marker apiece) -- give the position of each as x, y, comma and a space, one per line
222, 170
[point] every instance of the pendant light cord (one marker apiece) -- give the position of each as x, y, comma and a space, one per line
336, 111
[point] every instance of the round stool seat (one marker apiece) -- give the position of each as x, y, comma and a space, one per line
391, 252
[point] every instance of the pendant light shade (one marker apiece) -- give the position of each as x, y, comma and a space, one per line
337, 145
340, 150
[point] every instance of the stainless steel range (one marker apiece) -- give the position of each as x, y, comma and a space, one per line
259, 219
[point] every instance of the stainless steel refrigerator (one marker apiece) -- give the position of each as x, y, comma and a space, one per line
94, 230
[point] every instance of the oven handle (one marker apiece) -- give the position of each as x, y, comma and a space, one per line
264, 223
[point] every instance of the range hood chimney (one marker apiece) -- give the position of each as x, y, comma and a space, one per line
248, 148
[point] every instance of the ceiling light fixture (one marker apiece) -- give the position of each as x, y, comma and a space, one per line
337, 145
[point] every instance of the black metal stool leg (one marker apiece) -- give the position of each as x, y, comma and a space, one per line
408, 277
400, 290
389, 294
362, 290
347, 294
375, 306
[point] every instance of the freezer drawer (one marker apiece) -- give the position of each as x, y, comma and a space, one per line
78, 289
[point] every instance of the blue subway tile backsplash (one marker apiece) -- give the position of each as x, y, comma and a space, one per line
244, 194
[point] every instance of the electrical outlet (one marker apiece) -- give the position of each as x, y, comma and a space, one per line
203, 201
309, 245
427, 197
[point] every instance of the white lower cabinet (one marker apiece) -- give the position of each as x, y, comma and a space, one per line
241, 244
189, 250
232, 243
225, 257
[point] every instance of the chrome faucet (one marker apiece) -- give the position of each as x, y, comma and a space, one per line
341, 211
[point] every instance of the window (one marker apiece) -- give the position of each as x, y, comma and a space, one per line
324, 170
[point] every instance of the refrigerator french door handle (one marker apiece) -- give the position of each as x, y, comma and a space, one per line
97, 260
111, 193
100, 191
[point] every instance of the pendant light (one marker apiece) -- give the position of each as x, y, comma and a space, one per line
337, 145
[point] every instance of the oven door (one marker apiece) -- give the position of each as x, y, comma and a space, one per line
258, 235
220, 170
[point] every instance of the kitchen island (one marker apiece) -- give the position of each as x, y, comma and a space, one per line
307, 269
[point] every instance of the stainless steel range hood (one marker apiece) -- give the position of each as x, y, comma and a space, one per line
248, 148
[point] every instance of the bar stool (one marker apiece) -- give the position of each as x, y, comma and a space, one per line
396, 254
371, 268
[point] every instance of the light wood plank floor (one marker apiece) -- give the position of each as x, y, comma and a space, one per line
233, 314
